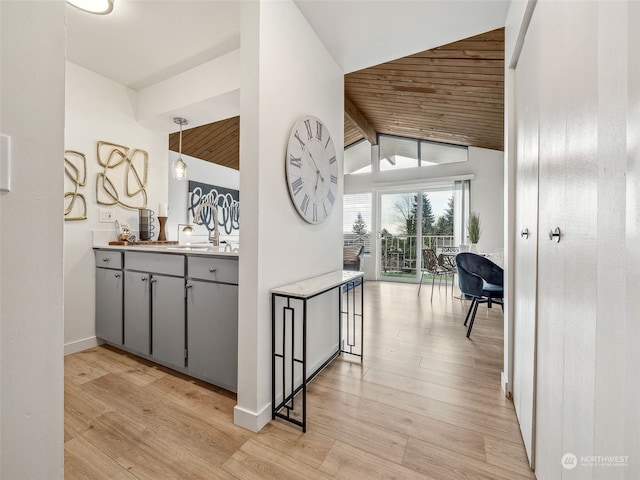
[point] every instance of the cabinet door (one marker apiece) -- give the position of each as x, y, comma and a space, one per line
168, 325
109, 305
213, 332
137, 313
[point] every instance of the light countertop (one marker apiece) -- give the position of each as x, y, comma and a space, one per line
226, 250
313, 286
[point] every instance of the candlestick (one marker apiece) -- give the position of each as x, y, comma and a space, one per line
161, 235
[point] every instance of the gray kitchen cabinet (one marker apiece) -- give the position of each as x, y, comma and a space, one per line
168, 319
178, 310
212, 338
154, 306
137, 312
109, 296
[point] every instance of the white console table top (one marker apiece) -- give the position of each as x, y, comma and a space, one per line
313, 286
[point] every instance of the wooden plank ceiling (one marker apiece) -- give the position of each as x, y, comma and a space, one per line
452, 94
217, 142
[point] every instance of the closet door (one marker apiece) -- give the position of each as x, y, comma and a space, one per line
526, 245
552, 19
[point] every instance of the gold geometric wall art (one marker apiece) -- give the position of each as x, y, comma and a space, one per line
124, 167
75, 170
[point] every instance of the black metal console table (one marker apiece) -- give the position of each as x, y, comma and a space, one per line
288, 353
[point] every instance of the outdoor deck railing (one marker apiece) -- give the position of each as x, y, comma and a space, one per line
400, 252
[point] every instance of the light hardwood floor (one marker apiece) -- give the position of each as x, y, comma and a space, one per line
425, 403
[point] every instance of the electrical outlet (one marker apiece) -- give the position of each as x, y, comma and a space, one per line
105, 215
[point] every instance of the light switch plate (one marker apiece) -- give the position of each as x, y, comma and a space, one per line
5, 163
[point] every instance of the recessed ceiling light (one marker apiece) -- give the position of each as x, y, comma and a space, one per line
99, 7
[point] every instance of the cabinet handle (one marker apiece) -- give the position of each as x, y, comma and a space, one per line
188, 285
525, 233
105, 259
144, 279
117, 275
212, 269
555, 234
153, 280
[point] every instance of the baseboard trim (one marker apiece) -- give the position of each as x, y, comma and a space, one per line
79, 345
506, 388
250, 420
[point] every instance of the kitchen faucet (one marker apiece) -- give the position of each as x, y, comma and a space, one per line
215, 239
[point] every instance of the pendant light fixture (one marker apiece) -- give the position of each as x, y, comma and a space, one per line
179, 168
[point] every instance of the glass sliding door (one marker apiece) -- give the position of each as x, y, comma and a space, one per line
409, 222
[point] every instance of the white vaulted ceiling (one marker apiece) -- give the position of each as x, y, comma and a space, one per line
145, 41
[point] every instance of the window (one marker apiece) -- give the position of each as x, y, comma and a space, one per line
356, 220
399, 152
357, 158
440, 153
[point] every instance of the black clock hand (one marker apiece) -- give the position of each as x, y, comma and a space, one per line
316, 165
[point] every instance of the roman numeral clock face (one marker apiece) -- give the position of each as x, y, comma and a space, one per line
312, 169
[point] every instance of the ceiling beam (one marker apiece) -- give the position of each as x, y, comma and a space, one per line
360, 121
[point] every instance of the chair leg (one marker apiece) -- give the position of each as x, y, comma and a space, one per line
420, 286
473, 318
433, 285
473, 302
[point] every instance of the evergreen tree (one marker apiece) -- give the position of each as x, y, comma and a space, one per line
359, 226
427, 215
444, 224
448, 218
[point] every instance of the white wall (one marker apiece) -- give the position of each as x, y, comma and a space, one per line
200, 171
31, 310
487, 188
204, 94
487, 196
277, 246
100, 109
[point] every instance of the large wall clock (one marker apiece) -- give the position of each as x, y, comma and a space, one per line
312, 169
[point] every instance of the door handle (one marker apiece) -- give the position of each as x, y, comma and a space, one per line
524, 233
555, 234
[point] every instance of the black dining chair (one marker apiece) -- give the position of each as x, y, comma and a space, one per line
481, 280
